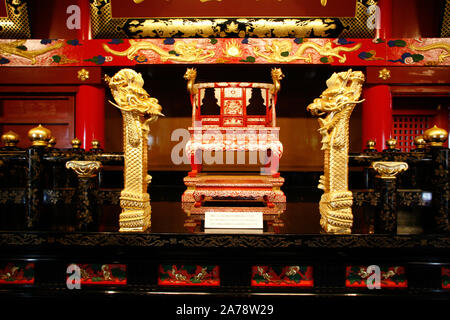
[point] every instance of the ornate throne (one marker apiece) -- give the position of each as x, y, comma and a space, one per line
230, 117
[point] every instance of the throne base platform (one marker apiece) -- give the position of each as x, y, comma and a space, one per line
233, 187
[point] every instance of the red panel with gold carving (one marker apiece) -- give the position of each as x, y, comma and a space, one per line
130, 52
282, 276
17, 273
188, 275
103, 274
391, 277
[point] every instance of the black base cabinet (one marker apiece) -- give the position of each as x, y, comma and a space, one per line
183, 270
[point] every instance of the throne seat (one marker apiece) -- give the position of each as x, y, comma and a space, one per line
233, 117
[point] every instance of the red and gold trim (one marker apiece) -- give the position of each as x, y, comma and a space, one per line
282, 276
129, 52
188, 275
391, 277
103, 274
17, 273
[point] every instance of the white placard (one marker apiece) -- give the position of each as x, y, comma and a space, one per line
234, 231
234, 220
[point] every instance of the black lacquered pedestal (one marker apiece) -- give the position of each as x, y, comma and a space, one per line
231, 260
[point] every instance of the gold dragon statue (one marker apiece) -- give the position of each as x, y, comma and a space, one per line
138, 111
336, 104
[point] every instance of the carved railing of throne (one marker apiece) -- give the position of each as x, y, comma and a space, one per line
234, 116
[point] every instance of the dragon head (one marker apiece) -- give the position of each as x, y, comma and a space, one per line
342, 88
190, 76
128, 92
277, 75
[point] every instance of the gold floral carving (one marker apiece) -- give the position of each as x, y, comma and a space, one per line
84, 169
336, 105
384, 74
389, 169
138, 111
83, 74
280, 51
17, 48
439, 45
185, 51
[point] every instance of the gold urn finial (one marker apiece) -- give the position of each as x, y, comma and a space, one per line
95, 144
51, 142
435, 136
76, 143
389, 169
371, 144
39, 136
10, 139
419, 142
391, 143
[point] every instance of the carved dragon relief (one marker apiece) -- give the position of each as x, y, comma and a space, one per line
138, 111
335, 105
17, 48
280, 51
183, 51
434, 46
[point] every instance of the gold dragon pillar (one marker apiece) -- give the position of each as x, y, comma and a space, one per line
138, 111
334, 108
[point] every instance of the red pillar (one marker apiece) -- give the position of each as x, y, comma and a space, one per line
385, 31
90, 100
441, 119
90, 115
377, 115
84, 33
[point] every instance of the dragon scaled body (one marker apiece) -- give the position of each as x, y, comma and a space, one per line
335, 106
138, 111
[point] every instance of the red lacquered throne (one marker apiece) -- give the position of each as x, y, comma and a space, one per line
233, 117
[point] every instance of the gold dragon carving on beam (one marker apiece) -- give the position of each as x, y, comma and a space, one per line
434, 46
138, 111
335, 106
185, 52
280, 51
17, 48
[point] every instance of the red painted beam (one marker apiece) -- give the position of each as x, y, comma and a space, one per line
49, 75
409, 75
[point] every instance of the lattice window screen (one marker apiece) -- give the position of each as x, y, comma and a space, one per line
406, 127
